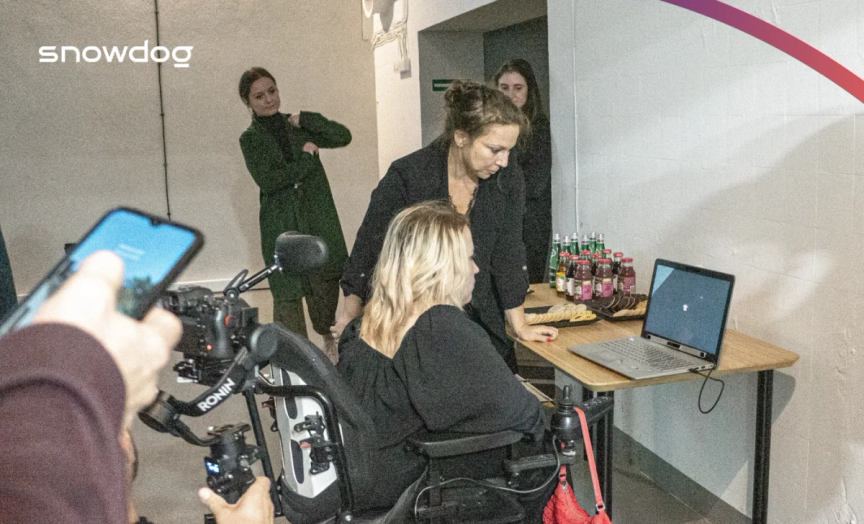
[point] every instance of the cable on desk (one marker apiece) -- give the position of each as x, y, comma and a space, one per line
702, 390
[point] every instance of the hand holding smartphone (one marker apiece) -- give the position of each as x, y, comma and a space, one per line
154, 251
87, 301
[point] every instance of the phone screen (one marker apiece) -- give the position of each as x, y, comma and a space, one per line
153, 251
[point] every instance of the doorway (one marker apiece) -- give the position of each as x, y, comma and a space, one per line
472, 46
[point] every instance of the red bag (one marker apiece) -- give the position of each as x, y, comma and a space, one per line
563, 508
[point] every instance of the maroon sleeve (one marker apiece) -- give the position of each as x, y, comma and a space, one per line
62, 400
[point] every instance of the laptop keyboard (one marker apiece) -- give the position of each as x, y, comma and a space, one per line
646, 354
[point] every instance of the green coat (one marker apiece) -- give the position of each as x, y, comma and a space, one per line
296, 196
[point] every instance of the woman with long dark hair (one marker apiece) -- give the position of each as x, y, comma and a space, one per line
516, 79
281, 153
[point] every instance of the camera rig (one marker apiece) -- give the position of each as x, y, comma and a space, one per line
224, 348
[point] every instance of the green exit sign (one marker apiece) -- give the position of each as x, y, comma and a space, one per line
441, 84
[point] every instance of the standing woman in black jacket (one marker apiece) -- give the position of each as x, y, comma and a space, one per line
468, 165
516, 80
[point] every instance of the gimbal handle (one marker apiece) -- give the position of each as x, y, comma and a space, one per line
164, 414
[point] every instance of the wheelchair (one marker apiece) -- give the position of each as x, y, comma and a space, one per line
330, 456
310, 401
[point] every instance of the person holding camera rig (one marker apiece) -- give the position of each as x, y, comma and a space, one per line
86, 369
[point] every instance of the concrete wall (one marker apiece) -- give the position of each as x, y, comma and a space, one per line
702, 144
80, 138
448, 55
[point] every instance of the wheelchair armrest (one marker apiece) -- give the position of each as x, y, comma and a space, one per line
517, 466
438, 445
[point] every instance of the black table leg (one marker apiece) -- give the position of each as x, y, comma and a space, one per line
762, 458
604, 455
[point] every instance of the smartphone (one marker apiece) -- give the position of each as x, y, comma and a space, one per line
154, 252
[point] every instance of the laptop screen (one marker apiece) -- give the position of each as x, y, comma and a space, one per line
689, 305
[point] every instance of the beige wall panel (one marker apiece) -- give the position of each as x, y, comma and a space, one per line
85, 137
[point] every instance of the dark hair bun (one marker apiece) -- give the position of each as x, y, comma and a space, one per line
458, 90
472, 107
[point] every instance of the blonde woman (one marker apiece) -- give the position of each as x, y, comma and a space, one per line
415, 359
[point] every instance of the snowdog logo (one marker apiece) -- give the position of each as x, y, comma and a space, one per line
139, 53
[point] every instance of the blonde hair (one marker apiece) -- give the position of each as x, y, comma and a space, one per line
424, 263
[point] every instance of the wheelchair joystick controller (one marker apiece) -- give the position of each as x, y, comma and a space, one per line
565, 423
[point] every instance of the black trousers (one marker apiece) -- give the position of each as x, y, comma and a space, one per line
321, 302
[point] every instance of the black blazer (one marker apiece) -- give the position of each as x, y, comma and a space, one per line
496, 226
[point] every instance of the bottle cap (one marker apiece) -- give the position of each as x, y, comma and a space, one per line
605, 261
628, 259
586, 252
582, 262
596, 255
618, 254
605, 251
574, 257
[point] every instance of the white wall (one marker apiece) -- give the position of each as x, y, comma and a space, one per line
81, 138
702, 144
398, 94
562, 111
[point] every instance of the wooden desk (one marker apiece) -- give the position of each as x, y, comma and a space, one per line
740, 354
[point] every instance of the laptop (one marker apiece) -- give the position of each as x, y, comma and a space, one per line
683, 328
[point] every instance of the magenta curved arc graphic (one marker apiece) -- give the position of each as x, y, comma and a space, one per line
773, 35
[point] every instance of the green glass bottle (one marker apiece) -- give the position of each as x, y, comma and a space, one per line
553, 259
574, 244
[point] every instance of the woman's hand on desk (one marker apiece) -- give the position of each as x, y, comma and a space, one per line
537, 333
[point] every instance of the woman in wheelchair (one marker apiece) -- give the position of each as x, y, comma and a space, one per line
414, 359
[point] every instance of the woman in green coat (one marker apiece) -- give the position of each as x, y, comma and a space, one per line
281, 153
